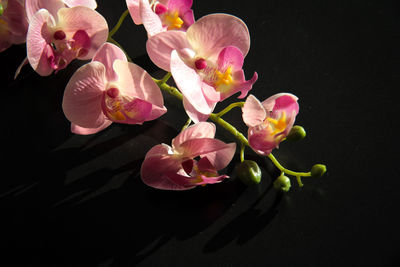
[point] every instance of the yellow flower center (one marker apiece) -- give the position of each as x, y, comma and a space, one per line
173, 20
224, 78
278, 125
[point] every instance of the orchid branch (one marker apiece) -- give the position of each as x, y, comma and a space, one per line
119, 23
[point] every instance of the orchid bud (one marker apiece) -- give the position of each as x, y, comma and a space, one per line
318, 170
296, 133
249, 172
282, 183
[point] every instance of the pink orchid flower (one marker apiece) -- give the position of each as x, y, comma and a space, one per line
163, 15
206, 61
53, 42
110, 89
13, 23
194, 159
269, 121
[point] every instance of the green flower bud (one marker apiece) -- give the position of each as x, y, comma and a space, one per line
318, 170
1, 9
296, 133
282, 183
249, 172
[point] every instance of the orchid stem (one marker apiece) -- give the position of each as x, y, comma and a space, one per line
242, 147
289, 172
119, 23
228, 108
187, 124
110, 39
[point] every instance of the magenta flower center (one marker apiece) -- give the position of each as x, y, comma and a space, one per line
59, 35
200, 63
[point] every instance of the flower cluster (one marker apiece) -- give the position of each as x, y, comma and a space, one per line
205, 58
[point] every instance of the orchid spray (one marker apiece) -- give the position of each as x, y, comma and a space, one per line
204, 57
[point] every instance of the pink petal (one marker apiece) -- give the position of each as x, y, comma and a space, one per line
253, 112
194, 114
221, 158
181, 182
269, 103
134, 11
33, 6
151, 21
189, 83
159, 150
198, 130
201, 146
261, 141
38, 38
287, 102
87, 3
211, 33
210, 93
180, 5
245, 86
16, 21
230, 56
85, 131
107, 54
137, 83
84, 18
160, 46
83, 96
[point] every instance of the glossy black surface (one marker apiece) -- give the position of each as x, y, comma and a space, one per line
82, 195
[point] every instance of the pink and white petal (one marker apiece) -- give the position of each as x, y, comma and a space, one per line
159, 150
156, 112
269, 103
33, 6
136, 82
38, 39
87, 3
211, 180
200, 146
230, 56
83, 96
189, 83
180, 181
133, 7
221, 158
89, 20
157, 177
253, 112
160, 46
85, 131
210, 93
193, 114
151, 21
261, 141
107, 54
211, 33
287, 102
198, 130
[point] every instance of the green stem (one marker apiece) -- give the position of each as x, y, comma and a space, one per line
289, 172
228, 108
118, 25
242, 147
187, 124
111, 40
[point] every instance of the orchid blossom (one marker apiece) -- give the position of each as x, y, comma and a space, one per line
206, 61
163, 15
110, 89
269, 121
53, 42
13, 23
194, 159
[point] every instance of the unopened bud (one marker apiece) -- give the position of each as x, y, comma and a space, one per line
282, 183
296, 133
249, 172
318, 170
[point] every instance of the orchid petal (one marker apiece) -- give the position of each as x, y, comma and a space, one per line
83, 18
16, 21
253, 112
269, 103
201, 146
196, 131
83, 96
107, 54
210, 93
33, 6
134, 11
85, 131
193, 113
160, 46
189, 83
211, 33
180, 4
151, 21
230, 56
159, 150
87, 3
38, 37
221, 158
261, 141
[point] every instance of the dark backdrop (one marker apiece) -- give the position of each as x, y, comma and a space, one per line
82, 196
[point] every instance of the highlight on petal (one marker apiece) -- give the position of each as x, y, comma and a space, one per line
33, 6
201, 146
289, 100
134, 11
87, 3
195, 131
85, 131
107, 54
253, 112
211, 33
221, 158
83, 95
160, 46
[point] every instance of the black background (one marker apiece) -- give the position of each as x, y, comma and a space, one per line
82, 196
